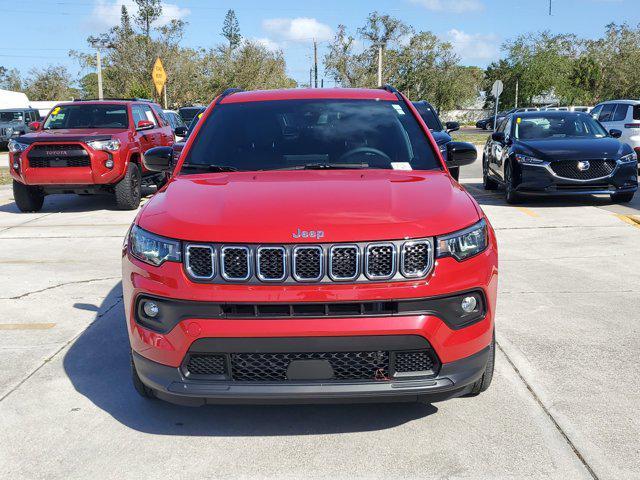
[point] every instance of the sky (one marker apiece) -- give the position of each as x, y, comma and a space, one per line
41, 32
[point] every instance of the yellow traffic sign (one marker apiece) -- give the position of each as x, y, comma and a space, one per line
159, 76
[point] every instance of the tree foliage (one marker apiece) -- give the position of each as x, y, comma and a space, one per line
231, 29
419, 64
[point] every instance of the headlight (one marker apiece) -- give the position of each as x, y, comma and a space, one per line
527, 160
109, 145
15, 147
464, 243
153, 249
632, 157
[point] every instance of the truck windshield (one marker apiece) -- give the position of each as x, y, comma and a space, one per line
13, 116
314, 134
549, 127
88, 116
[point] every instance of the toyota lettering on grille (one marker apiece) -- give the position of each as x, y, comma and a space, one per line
57, 153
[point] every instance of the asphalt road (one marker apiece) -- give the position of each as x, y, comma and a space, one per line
565, 402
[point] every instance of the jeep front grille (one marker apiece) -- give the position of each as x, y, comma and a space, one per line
325, 263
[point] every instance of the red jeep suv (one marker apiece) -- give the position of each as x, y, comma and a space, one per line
88, 147
309, 246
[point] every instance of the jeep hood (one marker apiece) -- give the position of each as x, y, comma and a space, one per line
268, 207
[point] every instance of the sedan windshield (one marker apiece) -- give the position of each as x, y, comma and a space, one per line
557, 126
88, 116
310, 134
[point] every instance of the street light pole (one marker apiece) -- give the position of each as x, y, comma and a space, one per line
99, 66
380, 66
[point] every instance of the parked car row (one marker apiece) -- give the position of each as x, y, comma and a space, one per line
487, 123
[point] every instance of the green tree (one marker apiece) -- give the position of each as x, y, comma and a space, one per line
10, 79
231, 29
49, 83
149, 11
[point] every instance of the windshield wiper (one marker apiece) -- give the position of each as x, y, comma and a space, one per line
209, 168
325, 166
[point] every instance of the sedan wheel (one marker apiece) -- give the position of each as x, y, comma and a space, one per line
510, 194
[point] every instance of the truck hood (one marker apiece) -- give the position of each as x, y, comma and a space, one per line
347, 206
68, 135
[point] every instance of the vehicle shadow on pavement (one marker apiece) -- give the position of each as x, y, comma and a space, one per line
496, 197
76, 203
97, 364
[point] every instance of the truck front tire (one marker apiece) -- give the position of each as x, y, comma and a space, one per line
127, 190
28, 198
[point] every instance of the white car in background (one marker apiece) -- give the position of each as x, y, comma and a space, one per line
623, 115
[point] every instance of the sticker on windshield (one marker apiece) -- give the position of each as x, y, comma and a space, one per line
398, 109
518, 120
55, 111
401, 165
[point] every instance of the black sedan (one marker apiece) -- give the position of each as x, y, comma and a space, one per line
559, 153
439, 132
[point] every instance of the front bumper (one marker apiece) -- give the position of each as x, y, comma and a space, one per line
541, 180
171, 384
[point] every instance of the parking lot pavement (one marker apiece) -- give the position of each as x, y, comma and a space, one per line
564, 403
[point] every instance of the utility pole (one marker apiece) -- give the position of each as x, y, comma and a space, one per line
165, 96
315, 62
516, 105
99, 66
549, 7
380, 66
311, 77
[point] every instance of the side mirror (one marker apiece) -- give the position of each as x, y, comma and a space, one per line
615, 133
158, 159
145, 125
452, 126
35, 125
460, 154
498, 137
181, 131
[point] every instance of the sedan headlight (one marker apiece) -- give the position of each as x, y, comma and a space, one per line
527, 160
109, 145
464, 243
632, 157
153, 249
16, 147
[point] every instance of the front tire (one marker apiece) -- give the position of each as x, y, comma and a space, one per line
127, 190
622, 197
483, 383
28, 198
141, 388
511, 196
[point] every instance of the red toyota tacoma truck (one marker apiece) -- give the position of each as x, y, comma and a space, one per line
309, 246
88, 147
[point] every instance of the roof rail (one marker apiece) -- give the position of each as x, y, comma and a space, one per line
112, 99
229, 91
390, 88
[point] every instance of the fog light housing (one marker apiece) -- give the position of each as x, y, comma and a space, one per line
151, 309
108, 163
469, 304
16, 166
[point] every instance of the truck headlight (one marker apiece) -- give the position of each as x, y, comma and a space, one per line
153, 249
632, 157
108, 145
527, 160
16, 147
464, 243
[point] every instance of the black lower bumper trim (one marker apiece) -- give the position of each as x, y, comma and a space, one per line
171, 385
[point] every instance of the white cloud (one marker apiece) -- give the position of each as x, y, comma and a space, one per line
269, 44
456, 6
106, 13
474, 46
301, 29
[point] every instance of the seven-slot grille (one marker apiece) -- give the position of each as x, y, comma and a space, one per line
325, 263
50, 155
569, 169
375, 365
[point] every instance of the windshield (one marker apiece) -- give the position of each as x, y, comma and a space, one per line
14, 116
295, 134
88, 116
555, 126
429, 116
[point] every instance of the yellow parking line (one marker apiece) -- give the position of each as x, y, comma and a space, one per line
635, 222
527, 211
26, 326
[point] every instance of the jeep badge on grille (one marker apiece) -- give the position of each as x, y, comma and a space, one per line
308, 234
